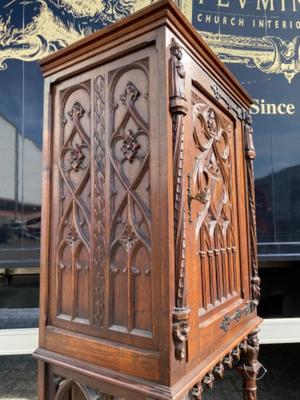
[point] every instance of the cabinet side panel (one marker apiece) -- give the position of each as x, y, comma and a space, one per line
130, 287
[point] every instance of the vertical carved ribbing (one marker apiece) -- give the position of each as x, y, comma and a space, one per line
250, 156
178, 110
99, 198
179, 228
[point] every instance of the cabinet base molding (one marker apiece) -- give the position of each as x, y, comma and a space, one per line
63, 373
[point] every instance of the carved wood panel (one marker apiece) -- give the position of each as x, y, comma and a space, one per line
99, 206
68, 389
212, 205
74, 230
130, 286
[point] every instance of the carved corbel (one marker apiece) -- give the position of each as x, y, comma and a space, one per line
197, 391
178, 110
180, 331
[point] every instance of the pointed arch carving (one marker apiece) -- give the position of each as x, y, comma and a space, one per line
212, 200
130, 228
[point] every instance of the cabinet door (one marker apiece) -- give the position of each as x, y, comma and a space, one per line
217, 220
103, 263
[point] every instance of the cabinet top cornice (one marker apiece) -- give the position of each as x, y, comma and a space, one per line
160, 13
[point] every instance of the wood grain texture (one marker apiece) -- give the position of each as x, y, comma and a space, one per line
149, 281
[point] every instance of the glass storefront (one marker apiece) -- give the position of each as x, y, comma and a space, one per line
259, 42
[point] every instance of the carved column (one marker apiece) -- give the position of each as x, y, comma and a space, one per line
250, 156
178, 110
250, 367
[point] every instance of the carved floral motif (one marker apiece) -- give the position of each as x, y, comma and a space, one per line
130, 95
74, 157
130, 145
72, 237
128, 238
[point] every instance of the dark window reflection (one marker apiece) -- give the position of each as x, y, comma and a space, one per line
20, 164
277, 138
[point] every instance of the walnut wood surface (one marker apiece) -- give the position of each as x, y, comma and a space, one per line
149, 281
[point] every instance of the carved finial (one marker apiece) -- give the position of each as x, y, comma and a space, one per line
130, 94
249, 145
77, 111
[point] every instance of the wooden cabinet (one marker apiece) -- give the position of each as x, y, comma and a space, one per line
149, 281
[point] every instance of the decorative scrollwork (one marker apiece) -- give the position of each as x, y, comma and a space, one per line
178, 110
270, 54
228, 100
240, 312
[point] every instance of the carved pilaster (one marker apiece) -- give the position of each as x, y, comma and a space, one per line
178, 110
250, 156
99, 205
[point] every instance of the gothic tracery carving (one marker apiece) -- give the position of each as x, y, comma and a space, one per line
130, 237
74, 226
210, 184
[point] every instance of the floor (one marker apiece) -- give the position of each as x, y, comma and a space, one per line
282, 382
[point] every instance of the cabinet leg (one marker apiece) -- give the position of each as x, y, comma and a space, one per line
250, 366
